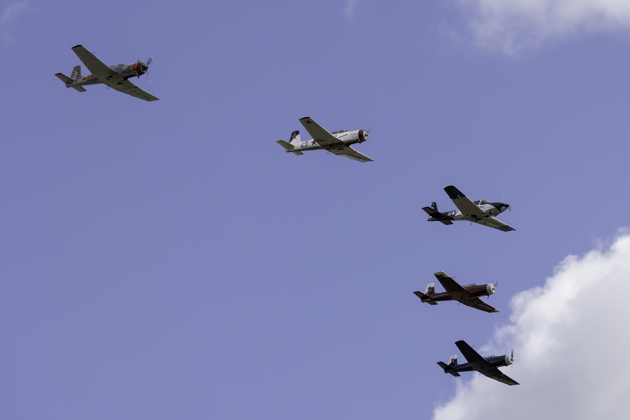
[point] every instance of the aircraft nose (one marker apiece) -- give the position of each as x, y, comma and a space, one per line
144, 67
504, 207
490, 289
363, 135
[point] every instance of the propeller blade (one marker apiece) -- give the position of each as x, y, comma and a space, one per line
149, 61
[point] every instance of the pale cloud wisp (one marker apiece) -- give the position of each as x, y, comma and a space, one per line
9, 17
515, 26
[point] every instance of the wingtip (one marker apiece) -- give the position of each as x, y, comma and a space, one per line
453, 192
77, 46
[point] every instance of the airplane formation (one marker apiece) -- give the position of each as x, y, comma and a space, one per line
339, 143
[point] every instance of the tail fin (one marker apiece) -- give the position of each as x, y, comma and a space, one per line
430, 290
434, 206
76, 73
452, 361
295, 138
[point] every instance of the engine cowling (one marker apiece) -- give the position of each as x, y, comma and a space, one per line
508, 360
363, 135
490, 289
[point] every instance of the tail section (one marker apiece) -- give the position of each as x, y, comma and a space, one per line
449, 366
452, 361
295, 138
76, 73
435, 215
70, 82
426, 296
433, 210
289, 147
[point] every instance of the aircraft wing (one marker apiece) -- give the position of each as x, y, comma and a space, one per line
481, 365
494, 223
350, 153
319, 133
497, 375
125, 86
463, 203
94, 65
462, 295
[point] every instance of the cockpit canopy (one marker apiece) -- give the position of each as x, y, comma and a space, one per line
340, 131
480, 202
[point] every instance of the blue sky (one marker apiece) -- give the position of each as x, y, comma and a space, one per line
168, 260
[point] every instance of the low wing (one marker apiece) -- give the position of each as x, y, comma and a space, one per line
319, 133
463, 203
494, 223
481, 365
350, 153
462, 295
468, 352
497, 375
94, 65
125, 86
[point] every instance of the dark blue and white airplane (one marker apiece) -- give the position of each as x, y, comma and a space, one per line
487, 366
480, 211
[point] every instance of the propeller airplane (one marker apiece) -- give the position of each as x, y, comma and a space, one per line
487, 366
115, 77
467, 295
480, 211
337, 142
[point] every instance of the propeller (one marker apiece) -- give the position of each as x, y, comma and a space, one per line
145, 68
148, 63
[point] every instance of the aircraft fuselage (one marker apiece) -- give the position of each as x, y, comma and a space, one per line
348, 137
496, 361
123, 69
477, 290
490, 210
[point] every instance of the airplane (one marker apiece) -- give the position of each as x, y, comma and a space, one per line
467, 295
113, 76
337, 142
487, 366
480, 211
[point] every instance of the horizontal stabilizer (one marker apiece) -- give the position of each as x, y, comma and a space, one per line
78, 88
445, 367
432, 212
423, 296
289, 147
64, 78
446, 222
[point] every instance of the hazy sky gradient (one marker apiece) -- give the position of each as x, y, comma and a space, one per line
168, 260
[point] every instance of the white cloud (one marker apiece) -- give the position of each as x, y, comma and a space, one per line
9, 17
351, 8
513, 26
571, 342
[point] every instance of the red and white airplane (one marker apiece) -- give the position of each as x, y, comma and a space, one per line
116, 77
